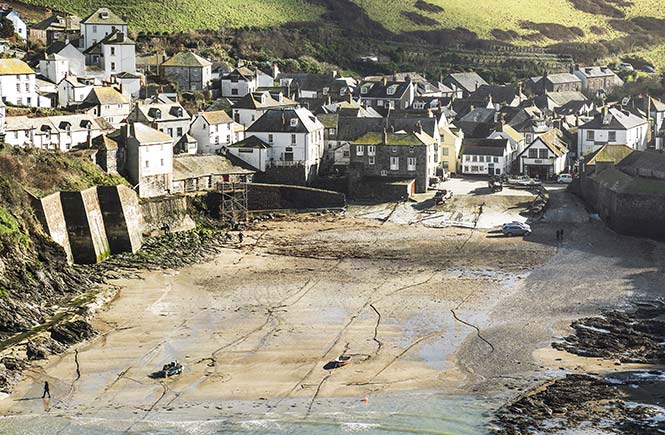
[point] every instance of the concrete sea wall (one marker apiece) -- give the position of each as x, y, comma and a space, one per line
85, 226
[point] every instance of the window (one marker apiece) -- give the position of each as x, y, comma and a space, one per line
228, 138
474, 158
94, 29
394, 163
360, 150
445, 151
234, 92
612, 136
481, 158
293, 138
161, 161
147, 163
27, 87
474, 168
379, 103
112, 66
270, 137
543, 154
253, 118
445, 165
371, 160
497, 171
496, 160
411, 163
179, 131
331, 131
371, 150
170, 132
466, 169
293, 122
18, 87
590, 135
533, 153
112, 51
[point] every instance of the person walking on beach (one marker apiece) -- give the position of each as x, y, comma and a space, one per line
561, 233
558, 234
240, 237
46, 390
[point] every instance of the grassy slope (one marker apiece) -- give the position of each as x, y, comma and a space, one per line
183, 15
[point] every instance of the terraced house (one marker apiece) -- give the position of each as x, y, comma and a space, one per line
387, 95
61, 133
17, 83
402, 156
107, 103
615, 127
241, 81
250, 107
215, 130
169, 118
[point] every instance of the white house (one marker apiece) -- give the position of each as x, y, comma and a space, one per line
60, 133
17, 83
130, 83
20, 27
107, 103
243, 80
253, 151
615, 127
545, 157
54, 67
214, 131
147, 158
250, 107
72, 90
295, 137
114, 54
485, 157
75, 59
98, 26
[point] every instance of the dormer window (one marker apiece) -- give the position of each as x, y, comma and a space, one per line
391, 90
294, 122
364, 90
325, 91
103, 15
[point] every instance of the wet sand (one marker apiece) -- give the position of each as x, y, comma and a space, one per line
455, 310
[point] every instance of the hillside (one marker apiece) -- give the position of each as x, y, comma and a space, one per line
587, 29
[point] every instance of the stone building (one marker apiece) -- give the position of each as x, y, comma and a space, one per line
189, 71
401, 155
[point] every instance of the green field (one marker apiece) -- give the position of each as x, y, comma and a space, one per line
520, 22
183, 15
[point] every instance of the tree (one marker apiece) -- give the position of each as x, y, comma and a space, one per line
6, 28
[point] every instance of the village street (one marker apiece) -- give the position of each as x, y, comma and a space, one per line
458, 310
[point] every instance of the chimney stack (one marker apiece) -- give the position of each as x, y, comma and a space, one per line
385, 137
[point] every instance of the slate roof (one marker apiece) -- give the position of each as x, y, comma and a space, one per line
279, 120
350, 129
468, 81
409, 124
187, 166
96, 18
395, 139
553, 141
564, 97
608, 153
262, 100
71, 22
187, 59
13, 67
251, 142
644, 160
145, 134
166, 112
104, 95
104, 142
217, 117
501, 94
76, 122
614, 120
596, 71
560, 78
484, 147
387, 90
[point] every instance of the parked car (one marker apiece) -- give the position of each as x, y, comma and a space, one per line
516, 229
625, 66
650, 69
524, 181
564, 179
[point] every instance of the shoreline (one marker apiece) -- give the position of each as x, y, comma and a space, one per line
261, 322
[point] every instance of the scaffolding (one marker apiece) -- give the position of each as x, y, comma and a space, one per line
233, 202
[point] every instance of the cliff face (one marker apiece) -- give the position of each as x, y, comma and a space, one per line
34, 273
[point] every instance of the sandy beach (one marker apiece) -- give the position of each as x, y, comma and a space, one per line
455, 310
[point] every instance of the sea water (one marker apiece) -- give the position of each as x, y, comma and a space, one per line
403, 413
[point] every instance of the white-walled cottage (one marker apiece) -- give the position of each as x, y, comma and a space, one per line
214, 131
545, 157
614, 127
